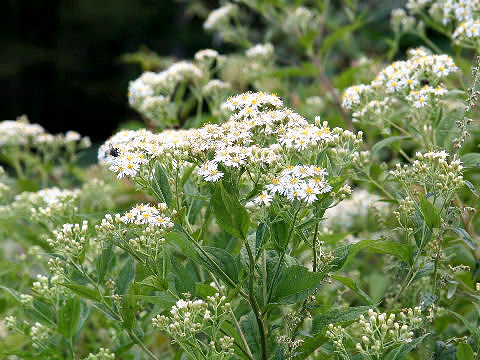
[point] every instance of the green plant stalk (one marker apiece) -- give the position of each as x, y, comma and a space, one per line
142, 346
254, 304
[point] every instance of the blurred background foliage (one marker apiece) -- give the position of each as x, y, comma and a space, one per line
67, 63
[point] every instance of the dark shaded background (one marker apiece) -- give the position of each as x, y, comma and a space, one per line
59, 59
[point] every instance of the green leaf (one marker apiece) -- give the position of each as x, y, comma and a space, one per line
472, 188
280, 231
69, 317
430, 213
249, 327
103, 261
154, 282
125, 276
293, 280
386, 142
464, 352
129, 309
472, 329
230, 215
183, 281
401, 251
353, 285
471, 160
261, 236
163, 299
464, 236
310, 345
83, 291
336, 316
160, 186
218, 261
400, 352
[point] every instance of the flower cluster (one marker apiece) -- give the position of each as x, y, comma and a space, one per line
189, 318
467, 33
259, 132
70, 238
303, 183
434, 172
21, 133
102, 354
40, 334
148, 215
416, 80
378, 333
218, 17
260, 51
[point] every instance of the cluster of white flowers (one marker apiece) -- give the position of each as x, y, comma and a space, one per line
401, 22
20, 132
260, 51
206, 55
220, 16
40, 334
102, 354
148, 215
426, 96
377, 333
70, 238
301, 20
45, 204
214, 87
463, 14
188, 318
352, 210
162, 83
303, 183
467, 33
432, 170
417, 80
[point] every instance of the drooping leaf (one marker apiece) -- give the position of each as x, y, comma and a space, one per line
467, 239
103, 261
184, 283
280, 231
293, 280
464, 352
336, 316
83, 291
386, 142
69, 317
353, 285
430, 213
400, 352
125, 276
401, 251
231, 216
471, 160
160, 186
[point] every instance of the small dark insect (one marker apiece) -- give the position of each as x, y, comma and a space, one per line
113, 151
424, 82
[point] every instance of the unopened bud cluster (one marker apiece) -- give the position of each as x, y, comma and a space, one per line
70, 238
188, 318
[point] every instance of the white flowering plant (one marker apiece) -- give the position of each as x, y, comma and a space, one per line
270, 209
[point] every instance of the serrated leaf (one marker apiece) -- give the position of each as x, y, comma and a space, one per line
160, 186
353, 286
464, 352
103, 261
230, 215
472, 188
184, 283
336, 316
125, 276
464, 236
430, 213
471, 160
68, 318
401, 251
400, 352
83, 291
293, 280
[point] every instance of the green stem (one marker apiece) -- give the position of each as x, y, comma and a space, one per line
142, 346
254, 304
